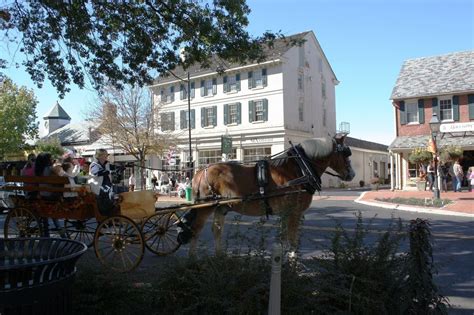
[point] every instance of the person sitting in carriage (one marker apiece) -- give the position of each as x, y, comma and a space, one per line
101, 182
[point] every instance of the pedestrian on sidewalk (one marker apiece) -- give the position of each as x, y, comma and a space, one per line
470, 178
431, 175
132, 181
443, 171
458, 174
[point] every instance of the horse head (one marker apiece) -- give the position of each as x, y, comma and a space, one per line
340, 161
332, 152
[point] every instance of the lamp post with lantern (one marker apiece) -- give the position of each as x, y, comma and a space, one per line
434, 126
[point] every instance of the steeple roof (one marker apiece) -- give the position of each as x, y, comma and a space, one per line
57, 112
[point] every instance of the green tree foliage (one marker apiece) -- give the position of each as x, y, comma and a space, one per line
17, 117
51, 145
127, 42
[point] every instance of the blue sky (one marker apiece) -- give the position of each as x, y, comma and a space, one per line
365, 42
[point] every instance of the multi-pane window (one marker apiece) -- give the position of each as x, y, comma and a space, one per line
167, 121
300, 81
257, 78
412, 112
445, 110
184, 119
258, 110
208, 87
301, 110
209, 116
232, 113
231, 83
183, 91
323, 88
167, 96
209, 157
255, 154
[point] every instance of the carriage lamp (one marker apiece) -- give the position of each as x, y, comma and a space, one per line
434, 126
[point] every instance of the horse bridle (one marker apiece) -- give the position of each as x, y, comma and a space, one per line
340, 149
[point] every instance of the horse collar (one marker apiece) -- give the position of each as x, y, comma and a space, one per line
313, 183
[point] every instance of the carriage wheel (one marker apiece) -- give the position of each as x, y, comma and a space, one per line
161, 234
21, 222
81, 230
119, 244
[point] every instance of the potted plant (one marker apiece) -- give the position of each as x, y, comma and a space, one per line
420, 157
451, 153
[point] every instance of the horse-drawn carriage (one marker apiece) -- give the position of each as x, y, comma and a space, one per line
284, 183
119, 238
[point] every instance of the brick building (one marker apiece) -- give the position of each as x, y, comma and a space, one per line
443, 85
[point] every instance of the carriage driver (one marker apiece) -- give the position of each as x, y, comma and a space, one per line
101, 181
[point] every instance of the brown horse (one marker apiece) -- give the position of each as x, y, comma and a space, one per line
291, 179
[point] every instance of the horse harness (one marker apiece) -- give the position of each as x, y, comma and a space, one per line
309, 178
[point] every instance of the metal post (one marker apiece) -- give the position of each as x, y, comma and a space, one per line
436, 187
275, 280
190, 165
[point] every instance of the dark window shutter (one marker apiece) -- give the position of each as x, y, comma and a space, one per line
251, 111
421, 111
225, 85
181, 92
182, 119
203, 117
239, 113
162, 95
203, 88
250, 75
226, 114
163, 122
214, 111
264, 77
456, 108
435, 107
214, 86
403, 116
193, 118
172, 121
470, 101
192, 90
172, 93
265, 109
237, 81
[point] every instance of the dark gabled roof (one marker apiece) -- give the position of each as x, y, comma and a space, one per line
280, 47
363, 144
430, 76
421, 141
57, 112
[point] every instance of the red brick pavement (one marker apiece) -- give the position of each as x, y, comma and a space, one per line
462, 201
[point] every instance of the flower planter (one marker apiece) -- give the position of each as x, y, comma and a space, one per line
421, 185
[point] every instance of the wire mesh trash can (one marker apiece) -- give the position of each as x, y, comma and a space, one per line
36, 274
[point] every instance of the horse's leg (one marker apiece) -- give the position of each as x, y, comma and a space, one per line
218, 227
294, 220
201, 217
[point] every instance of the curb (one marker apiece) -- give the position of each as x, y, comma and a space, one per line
411, 208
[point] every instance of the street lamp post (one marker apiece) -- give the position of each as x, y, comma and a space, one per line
190, 159
434, 126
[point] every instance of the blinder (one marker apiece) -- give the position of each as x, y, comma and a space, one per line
344, 150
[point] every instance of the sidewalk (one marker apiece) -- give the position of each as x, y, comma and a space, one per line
462, 202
